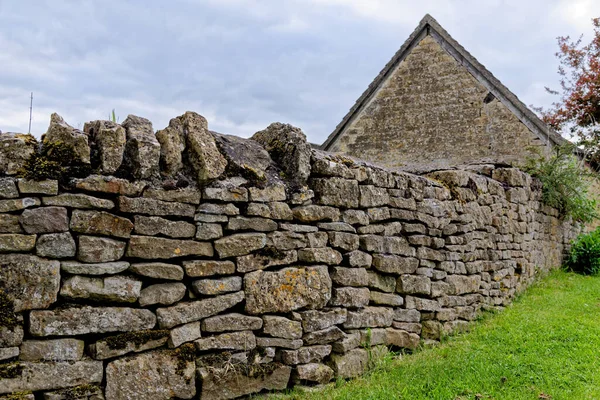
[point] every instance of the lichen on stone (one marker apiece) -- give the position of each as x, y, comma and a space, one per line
54, 161
11, 370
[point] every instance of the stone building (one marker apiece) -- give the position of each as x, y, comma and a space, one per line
433, 106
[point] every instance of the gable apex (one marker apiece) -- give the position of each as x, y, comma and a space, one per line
428, 26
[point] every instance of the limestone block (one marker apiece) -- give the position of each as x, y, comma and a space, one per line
148, 247
157, 270
287, 290
99, 249
100, 223
52, 350
231, 322
162, 293
183, 313
15, 150
76, 200
29, 282
115, 288
142, 205
240, 244
142, 150
109, 139
62, 134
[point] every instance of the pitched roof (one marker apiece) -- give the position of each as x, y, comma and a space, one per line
429, 26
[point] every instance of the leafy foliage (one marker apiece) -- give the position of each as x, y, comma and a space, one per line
585, 254
565, 184
578, 110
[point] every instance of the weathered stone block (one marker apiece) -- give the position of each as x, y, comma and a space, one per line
281, 327
227, 193
56, 245
287, 240
313, 372
386, 299
116, 288
413, 284
18, 204
125, 343
142, 150
287, 290
77, 268
305, 355
142, 205
152, 226
385, 283
265, 259
171, 272
324, 336
244, 340
98, 249
397, 265
421, 304
183, 313
51, 375
212, 287
100, 223
109, 138
15, 150
336, 192
184, 333
148, 247
6, 353
201, 268
8, 188
29, 282
266, 342
83, 320
350, 365
314, 213
231, 322
52, 350
288, 147
268, 194
76, 200
350, 276
162, 293
400, 338
221, 386
316, 320
12, 242
110, 184
207, 231
10, 224
369, 317
350, 297
323, 255
60, 133
158, 375
461, 284
372, 196
240, 244
48, 186
251, 224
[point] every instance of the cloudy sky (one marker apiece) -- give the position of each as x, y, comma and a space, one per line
246, 63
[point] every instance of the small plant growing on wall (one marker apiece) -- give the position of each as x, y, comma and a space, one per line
565, 183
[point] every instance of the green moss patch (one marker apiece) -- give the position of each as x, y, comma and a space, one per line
119, 342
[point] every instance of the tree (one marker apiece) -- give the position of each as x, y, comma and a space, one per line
578, 110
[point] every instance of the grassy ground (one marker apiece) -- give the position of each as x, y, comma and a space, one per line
545, 346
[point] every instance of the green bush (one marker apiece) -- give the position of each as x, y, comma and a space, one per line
585, 254
565, 184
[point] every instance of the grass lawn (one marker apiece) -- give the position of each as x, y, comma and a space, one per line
545, 346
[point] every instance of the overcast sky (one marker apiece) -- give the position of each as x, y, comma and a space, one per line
246, 63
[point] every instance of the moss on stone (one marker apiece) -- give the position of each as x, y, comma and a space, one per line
185, 354
272, 252
78, 392
55, 161
17, 396
11, 370
138, 338
8, 317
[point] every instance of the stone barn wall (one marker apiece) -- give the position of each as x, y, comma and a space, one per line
188, 264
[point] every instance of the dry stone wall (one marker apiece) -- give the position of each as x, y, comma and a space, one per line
189, 264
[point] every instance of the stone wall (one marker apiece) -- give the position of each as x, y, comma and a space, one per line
189, 264
432, 111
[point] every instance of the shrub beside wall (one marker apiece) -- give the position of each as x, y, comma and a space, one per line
194, 265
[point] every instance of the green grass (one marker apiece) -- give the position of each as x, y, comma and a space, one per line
545, 346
